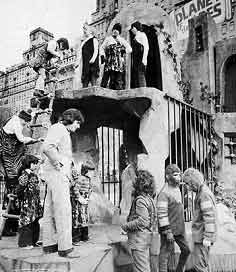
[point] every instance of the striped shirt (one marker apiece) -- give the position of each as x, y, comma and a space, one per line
170, 210
205, 218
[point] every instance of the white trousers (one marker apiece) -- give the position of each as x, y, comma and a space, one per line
57, 218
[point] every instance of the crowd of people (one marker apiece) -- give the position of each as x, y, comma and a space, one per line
63, 211
65, 206
113, 53
166, 213
90, 57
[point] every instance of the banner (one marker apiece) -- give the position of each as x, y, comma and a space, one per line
220, 10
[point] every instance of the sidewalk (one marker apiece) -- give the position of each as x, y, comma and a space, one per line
106, 251
95, 255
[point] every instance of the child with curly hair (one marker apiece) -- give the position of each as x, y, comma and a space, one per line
141, 221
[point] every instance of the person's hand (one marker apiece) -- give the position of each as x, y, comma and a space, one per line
91, 61
206, 243
86, 166
144, 63
40, 139
123, 232
170, 237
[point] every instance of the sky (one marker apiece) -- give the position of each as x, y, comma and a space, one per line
63, 18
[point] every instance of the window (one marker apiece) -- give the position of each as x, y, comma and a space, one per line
230, 147
224, 29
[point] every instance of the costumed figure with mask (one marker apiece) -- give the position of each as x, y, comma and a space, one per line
113, 52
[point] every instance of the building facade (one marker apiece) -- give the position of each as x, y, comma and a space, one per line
18, 81
206, 36
106, 10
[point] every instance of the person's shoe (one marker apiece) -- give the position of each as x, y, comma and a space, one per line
68, 253
77, 243
38, 244
50, 249
27, 247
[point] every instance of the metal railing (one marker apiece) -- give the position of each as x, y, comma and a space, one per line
189, 135
110, 140
2, 190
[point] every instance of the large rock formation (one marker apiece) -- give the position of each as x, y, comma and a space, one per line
146, 107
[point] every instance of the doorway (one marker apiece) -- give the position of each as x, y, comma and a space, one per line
230, 85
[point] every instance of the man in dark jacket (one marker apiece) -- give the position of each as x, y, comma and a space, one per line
89, 55
170, 213
204, 226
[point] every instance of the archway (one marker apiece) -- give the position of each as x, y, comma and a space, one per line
230, 84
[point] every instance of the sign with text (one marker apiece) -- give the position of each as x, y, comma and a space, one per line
220, 10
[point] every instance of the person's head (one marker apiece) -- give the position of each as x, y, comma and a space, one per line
144, 183
88, 30
193, 178
135, 27
87, 167
25, 117
72, 119
116, 30
173, 175
159, 27
63, 44
29, 162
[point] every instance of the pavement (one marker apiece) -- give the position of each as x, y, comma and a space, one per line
106, 251
94, 254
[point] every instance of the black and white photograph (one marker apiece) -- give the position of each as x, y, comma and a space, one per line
118, 136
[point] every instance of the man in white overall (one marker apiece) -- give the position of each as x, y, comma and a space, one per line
57, 219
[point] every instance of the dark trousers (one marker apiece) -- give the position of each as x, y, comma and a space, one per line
138, 76
29, 234
80, 234
91, 77
168, 248
11, 225
116, 80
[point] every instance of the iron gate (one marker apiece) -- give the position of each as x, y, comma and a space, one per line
110, 141
189, 134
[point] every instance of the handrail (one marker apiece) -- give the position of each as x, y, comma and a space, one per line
186, 104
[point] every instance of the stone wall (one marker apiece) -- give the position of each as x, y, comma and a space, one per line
198, 63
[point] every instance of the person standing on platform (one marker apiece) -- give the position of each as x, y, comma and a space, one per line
88, 53
57, 168
113, 51
170, 213
28, 194
204, 225
140, 49
12, 150
81, 189
44, 59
